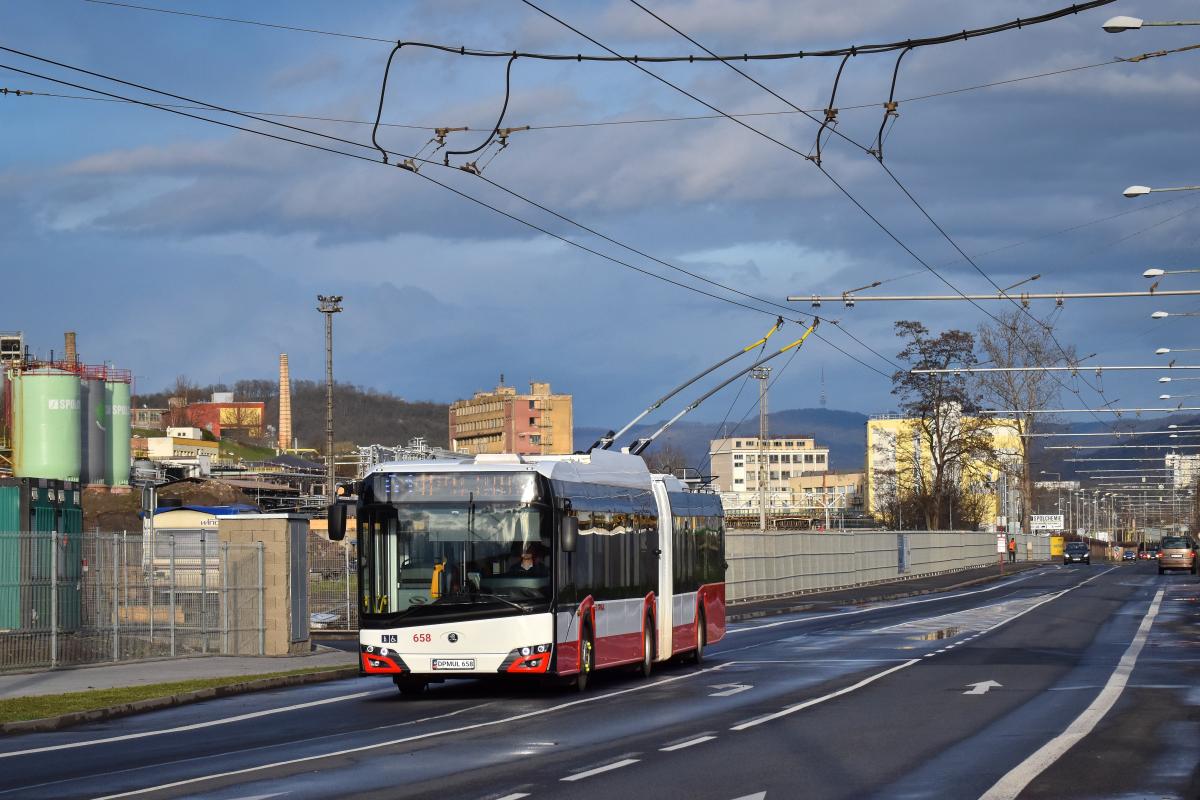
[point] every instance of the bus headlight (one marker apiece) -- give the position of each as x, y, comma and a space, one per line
531, 658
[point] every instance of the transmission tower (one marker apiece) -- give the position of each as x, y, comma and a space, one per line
763, 376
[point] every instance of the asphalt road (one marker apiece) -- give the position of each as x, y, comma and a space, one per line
1079, 682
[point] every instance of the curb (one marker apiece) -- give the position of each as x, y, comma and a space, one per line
170, 701
859, 601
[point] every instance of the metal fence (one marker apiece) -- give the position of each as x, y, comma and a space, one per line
68, 599
332, 584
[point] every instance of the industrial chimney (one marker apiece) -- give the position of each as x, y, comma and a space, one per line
71, 356
285, 404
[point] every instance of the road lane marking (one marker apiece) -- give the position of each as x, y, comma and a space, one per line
809, 703
730, 689
688, 743
578, 776
982, 687
888, 607
514, 796
872, 678
414, 738
1020, 776
193, 727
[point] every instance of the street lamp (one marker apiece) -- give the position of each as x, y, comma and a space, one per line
1162, 351
1165, 314
1138, 191
1123, 23
1154, 272
1166, 379
1176, 396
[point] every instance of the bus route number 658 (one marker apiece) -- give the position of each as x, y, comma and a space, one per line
422, 637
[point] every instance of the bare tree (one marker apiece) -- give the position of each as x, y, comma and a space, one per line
666, 458
947, 434
1017, 340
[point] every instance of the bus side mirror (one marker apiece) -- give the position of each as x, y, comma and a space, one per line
336, 517
569, 534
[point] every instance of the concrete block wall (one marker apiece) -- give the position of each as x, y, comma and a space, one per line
780, 563
274, 532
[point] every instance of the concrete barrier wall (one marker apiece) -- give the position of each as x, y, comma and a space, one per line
780, 563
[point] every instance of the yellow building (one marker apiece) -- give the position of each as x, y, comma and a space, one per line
895, 446
502, 421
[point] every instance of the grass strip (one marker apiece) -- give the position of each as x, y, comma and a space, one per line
18, 709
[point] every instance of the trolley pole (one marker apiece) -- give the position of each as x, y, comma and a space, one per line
763, 376
329, 305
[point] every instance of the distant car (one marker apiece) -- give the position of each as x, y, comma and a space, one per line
1150, 553
1077, 553
1129, 554
1177, 552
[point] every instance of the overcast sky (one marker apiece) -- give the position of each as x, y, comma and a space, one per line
178, 247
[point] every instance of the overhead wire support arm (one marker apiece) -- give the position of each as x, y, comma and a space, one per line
638, 447
849, 299
607, 440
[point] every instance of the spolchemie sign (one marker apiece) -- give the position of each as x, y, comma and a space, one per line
1046, 522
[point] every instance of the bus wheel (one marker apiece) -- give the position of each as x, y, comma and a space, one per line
587, 661
698, 653
646, 665
410, 686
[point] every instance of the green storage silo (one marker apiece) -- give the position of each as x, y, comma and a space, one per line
46, 424
119, 430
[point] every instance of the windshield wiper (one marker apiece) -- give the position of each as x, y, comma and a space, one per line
472, 598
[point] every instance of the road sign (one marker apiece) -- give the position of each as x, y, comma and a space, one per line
1001, 543
1046, 522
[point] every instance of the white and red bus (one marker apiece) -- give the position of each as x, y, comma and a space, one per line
535, 566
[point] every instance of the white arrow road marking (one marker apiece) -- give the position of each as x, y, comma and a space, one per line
1020, 776
730, 689
983, 687
755, 796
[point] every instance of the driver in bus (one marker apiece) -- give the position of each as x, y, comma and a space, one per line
529, 565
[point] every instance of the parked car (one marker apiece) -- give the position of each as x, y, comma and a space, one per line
1077, 553
1178, 552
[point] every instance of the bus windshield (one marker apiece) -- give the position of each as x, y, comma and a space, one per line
424, 559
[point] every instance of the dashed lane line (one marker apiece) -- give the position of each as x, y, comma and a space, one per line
688, 743
578, 776
905, 665
406, 739
514, 796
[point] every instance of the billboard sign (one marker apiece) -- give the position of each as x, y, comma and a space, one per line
1046, 522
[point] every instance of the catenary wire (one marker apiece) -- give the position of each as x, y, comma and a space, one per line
647, 120
436, 182
896, 180
957, 36
497, 185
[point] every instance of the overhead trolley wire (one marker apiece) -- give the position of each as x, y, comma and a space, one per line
336, 151
863, 49
647, 120
862, 208
513, 193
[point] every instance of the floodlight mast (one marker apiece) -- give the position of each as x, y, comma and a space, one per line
606, 441
639, 446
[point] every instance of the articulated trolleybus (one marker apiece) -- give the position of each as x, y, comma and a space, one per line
543, 566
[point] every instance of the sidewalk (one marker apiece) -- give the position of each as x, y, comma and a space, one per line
142, 673
875, 593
